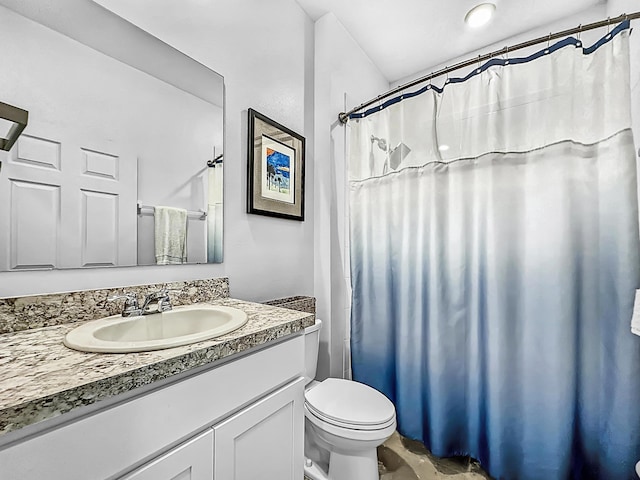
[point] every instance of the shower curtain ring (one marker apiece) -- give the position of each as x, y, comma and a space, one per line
478, 70
506, 62
608, 28
548, 43
430, 79
579, 43
447, 79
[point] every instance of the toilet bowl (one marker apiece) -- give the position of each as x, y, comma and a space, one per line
345, 421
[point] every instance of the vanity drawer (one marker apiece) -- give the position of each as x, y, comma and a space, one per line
193, 460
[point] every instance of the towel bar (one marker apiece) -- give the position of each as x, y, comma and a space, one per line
148, 210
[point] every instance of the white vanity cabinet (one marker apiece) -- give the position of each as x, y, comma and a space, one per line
238, 420
264, 440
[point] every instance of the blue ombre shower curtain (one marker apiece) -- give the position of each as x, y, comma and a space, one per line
494, 257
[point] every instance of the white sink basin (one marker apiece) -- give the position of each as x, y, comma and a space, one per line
180, 326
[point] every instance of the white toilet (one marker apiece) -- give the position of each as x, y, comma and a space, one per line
345, 422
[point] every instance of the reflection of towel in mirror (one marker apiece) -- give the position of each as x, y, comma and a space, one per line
171, 235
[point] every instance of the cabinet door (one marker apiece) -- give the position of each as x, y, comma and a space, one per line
265, 440
193, 460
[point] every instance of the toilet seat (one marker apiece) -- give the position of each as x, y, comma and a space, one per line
349, 405
346, 424
377, 435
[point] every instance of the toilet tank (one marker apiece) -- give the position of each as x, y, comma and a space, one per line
311, 344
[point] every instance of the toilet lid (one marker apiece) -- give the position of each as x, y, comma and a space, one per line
349, 403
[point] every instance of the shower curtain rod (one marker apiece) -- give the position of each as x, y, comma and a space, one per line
344, 116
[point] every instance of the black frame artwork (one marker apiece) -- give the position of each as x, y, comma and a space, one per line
275, 171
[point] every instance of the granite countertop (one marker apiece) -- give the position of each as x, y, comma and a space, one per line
40, 378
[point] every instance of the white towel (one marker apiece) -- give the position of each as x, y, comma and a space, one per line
171, 235
635, 318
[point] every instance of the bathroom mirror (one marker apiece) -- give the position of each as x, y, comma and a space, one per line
120, 124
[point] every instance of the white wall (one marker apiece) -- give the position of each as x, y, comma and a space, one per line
265, 52
344, 77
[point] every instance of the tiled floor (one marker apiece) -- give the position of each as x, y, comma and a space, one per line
403, 459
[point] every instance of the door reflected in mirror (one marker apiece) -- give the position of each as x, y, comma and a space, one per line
122, 160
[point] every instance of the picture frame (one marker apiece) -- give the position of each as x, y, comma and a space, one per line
275, 171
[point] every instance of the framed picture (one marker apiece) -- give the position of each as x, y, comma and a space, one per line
275, 175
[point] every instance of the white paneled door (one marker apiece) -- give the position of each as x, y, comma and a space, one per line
67, 203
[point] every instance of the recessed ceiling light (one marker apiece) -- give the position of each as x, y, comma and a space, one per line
479, 15
443, 148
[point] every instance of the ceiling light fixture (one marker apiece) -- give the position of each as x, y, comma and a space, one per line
479, 15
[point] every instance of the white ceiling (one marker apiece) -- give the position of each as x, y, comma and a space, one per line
403, 37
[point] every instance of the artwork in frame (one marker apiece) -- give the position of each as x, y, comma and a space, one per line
275, 175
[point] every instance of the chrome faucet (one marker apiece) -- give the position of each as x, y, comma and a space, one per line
131, 305
160, 299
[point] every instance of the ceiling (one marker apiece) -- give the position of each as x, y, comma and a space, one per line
403, 37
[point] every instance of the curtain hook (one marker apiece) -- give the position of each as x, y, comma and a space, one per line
579, 42
430, 80
608, 28
548, 43
506, 62
447, 80
478, 70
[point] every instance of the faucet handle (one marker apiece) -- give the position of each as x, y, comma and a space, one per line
131, 297
161, 298
160, 294
131, 305
165, 300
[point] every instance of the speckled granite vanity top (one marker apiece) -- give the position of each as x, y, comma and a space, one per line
40, 378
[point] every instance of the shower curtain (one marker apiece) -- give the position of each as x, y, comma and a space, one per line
494, 257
